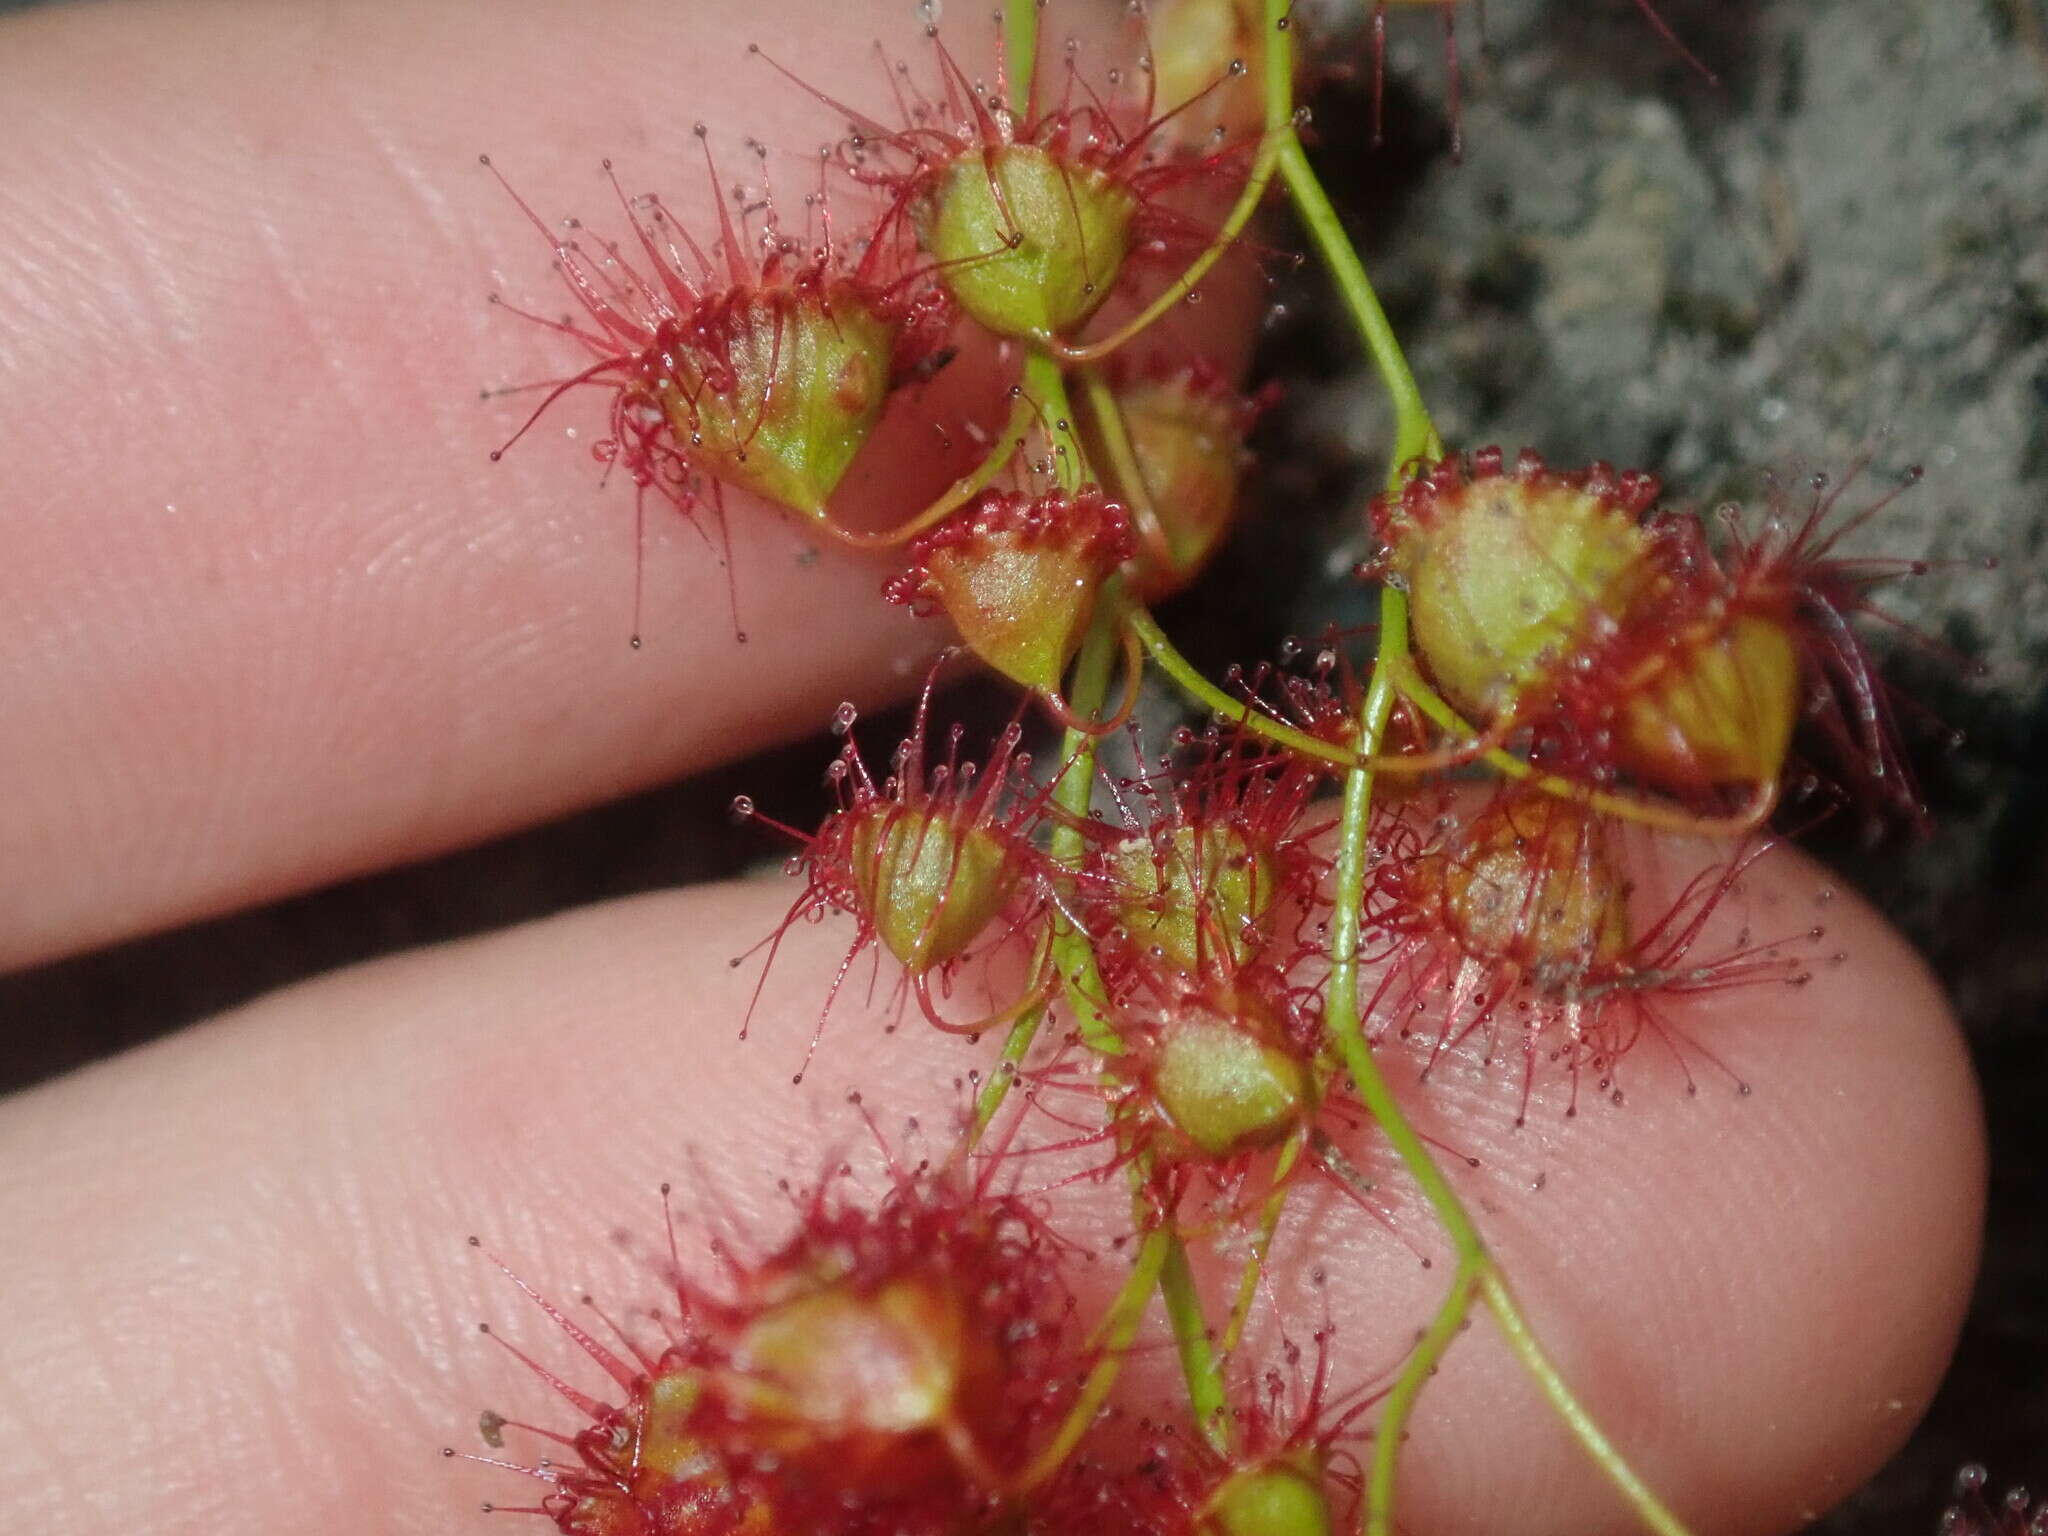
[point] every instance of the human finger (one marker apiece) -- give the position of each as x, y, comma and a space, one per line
266, 1315
270, 616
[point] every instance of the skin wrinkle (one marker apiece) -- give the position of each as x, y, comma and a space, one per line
36, 1448
422, 191
50, 247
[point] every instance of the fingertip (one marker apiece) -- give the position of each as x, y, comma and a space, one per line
1754, 1292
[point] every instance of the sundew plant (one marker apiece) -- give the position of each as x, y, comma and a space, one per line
1505, 832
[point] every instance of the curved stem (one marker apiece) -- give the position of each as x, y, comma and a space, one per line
1414, 435
1345, 1027
1033, 998
1226, 236
1399, 669
1515, 1329
956, 496
1439, 713
1279, 130
1167, 657
1097, 724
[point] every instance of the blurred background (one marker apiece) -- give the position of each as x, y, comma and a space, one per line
1838, 252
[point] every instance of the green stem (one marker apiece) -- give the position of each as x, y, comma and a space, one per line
1020, 50
1341, 1016
1421, 1365
1086, 689
1129, 476
956, 496
1345, 1027
1262, 1244
1393, 671
1233, 225
1439, 713
1414, 435
1119, 1326
1184, 673
1071, 955
1198, 1364
1045, 384
1016, 1046
1279, 131
1515, 1329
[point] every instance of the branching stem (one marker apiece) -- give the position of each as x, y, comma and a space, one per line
1415, 442
1240, 711
1073, 954
1162, 1259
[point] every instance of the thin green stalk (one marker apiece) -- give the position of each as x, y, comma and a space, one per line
1226, 235
956, 496
1020, 49
1198, 1364
1262, 1244
1184, 673
1086, 690
1515, 1329
1414, 438
1279, 131
1016, 1046
1341, 1017
1073, 955
1439, 713
1345, 1027
1113, 1338
1045, 384
1421, 1365
1108, 417
1414, 435
1087, 687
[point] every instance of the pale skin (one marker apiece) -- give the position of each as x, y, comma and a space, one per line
243, 275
